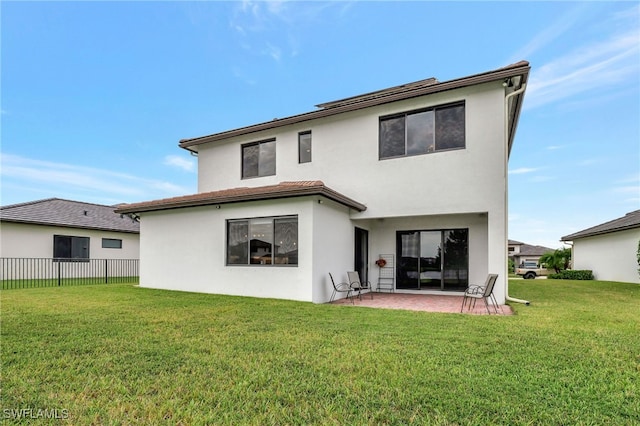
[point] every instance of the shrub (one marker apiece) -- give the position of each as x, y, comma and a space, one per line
572, 275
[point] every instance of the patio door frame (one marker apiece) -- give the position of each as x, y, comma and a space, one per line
406, 269
361, 253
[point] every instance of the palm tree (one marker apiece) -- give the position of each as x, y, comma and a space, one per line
558, 260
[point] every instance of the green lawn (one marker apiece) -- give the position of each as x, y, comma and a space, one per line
63, 282
119, 354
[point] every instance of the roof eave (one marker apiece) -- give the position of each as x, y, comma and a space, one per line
521, 68
229, 199
579, 235
61, 225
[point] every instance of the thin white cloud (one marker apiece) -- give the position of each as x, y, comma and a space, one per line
589, 162
187, 165
600, 65
275, 29
522, 170
630, 189
274, 51
59, 179
539, 179
549, 34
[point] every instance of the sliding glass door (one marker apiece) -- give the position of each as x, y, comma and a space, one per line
432, 260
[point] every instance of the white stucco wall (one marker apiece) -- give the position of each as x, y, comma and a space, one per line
345, 157
185, 249
465, 183
611, 257
36, 241
333, 246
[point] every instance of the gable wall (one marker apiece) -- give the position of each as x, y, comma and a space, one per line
611, 257
345, 157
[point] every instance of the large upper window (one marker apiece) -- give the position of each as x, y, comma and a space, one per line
259, 159
420, 132
263, 241
68, 247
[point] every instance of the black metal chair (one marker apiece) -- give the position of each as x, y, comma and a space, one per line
357, 285
484, 292
341, 288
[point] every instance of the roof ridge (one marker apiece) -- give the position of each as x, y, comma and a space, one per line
44, 200
388, 95
27, 203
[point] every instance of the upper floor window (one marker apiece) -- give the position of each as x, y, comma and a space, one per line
68, 247
420, 132
259, 159
304, 147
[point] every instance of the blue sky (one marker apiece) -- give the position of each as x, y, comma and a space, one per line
96, 95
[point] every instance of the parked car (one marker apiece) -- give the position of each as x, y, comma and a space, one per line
530, 270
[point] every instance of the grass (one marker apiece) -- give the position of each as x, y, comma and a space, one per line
54, 282
120, 354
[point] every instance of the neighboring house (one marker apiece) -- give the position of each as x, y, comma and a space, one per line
64, 229
521, 252
416, 173
608, 249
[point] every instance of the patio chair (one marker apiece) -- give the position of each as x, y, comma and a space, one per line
341, 288
484, 292
357, 285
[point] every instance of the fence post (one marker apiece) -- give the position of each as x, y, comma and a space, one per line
106, 273
59, 266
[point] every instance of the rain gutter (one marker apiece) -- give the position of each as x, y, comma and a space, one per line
506, 185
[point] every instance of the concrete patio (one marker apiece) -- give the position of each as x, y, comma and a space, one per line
419, 302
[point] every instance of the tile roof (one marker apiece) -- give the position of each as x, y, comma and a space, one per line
67, 213
237, 195
629, 221
380, 97
529, 250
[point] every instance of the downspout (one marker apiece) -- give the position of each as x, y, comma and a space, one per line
506, 187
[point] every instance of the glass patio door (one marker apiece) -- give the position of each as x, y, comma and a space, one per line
432, 260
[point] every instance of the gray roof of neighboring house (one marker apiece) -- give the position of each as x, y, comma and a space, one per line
71, 214
529, 250
236, 195
629, 221
515, 75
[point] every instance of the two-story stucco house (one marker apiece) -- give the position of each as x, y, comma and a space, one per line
416, 173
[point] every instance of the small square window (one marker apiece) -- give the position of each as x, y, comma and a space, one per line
304, 147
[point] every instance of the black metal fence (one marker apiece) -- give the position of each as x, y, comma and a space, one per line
49, 272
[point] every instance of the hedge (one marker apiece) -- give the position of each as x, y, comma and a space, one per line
572, 275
